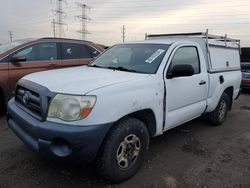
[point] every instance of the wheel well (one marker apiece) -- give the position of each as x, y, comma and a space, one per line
229, 91
148, 118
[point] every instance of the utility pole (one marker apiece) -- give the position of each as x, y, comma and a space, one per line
60, 14
83, 19
54, 27
123, 33
11, 35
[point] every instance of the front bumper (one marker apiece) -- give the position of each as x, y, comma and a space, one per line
54, 140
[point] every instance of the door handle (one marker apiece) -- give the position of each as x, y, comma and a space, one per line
202, 82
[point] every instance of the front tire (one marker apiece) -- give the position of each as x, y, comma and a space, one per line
124, 150
218, 116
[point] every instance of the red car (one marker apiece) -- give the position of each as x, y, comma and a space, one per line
245, 83
245, 69
27, 56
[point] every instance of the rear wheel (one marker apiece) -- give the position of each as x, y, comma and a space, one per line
124, 150
218, 116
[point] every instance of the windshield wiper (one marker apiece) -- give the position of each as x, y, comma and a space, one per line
122, 69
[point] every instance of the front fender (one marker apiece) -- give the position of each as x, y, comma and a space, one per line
116, 101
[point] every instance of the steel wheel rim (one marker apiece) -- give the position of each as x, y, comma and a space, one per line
128, 151
222, 109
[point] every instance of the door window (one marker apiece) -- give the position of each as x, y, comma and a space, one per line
85, 52
75, 51
27, 52
5, 60
93, 51
39, 52
187, 55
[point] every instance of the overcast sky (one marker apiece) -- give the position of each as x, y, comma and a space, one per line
32, 18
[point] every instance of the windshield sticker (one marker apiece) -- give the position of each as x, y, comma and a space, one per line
154, 56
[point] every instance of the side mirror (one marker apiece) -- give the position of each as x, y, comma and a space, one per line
17, 58
181, 71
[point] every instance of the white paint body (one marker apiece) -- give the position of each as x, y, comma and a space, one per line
121, 93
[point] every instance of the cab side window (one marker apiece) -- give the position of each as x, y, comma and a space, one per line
39, 52
187, 55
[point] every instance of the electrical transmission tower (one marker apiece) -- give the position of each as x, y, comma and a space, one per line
83, 19
123, 33
60, 15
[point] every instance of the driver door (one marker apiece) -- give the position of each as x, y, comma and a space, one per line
186, 96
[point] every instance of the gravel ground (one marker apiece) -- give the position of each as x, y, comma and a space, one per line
192, 155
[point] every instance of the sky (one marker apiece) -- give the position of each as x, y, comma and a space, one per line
33, 18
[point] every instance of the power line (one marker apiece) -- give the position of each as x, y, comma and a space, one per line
172, 7
83, 19
157, 1
165, 4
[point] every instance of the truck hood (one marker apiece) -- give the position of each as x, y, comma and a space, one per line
80, 80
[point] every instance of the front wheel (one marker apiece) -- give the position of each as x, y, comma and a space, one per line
124, 150
218, 116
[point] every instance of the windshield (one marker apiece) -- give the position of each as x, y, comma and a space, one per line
142, 58
9, 46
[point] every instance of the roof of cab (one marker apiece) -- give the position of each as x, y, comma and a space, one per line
168, 40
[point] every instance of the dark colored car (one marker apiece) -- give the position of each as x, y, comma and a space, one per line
245, 68
245, 83
22, 57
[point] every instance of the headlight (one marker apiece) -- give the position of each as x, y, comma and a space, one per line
71, 108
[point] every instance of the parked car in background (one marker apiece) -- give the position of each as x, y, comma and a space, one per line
245, 68
245, 83
22, 57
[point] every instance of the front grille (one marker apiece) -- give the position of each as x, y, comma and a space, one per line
33, 98
29, 100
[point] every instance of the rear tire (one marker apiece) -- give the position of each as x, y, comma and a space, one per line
218, 116
124, 150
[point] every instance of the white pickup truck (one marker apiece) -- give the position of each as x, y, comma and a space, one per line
107, 111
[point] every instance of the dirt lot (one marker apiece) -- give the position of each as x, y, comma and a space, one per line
193, 155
